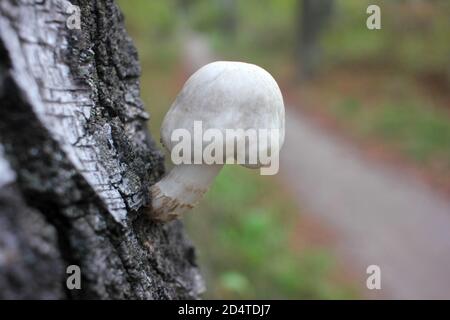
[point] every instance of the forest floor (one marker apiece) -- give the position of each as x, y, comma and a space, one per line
371, 211
379, 213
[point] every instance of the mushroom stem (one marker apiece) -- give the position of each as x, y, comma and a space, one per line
181, 189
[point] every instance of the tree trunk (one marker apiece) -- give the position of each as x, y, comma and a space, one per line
76, 161
312, 18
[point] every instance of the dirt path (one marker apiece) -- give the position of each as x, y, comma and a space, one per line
381, 216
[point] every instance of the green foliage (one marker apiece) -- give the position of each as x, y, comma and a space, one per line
153, 25
414, 35
348, 39
414, 126
264, 29
243, 232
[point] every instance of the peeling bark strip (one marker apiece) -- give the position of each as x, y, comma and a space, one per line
79, 161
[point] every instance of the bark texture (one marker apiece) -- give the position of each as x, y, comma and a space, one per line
76, 161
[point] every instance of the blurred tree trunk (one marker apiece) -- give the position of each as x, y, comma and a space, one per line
76, 160
228, 21
313, 16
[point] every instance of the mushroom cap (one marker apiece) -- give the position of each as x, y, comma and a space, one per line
227, 95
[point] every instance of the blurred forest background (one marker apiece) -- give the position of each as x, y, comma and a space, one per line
387, 87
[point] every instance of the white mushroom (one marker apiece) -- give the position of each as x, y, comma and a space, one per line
221, 95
